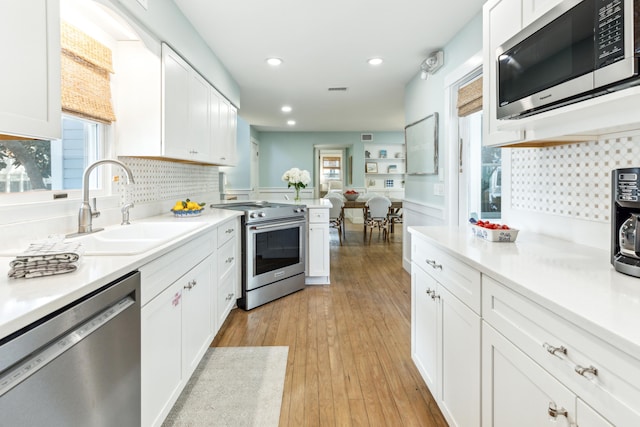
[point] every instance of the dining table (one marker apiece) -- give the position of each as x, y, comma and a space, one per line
361, 203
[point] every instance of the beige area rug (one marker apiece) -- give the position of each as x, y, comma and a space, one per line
233, 387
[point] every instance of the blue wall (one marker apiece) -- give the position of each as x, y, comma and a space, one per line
280, 151
424, 97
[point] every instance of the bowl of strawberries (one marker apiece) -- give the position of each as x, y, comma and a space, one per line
493, 232
351, 195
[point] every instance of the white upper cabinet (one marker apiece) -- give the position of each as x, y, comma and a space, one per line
167, 109
534, 9
586, 120
501, 21
30, 75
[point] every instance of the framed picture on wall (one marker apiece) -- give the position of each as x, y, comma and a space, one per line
372, 167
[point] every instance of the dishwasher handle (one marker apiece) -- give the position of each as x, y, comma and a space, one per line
12, 377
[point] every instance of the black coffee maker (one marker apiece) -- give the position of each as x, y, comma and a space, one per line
625, 221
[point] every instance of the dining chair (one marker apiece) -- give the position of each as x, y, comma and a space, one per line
377, 210
336, 212
395, 217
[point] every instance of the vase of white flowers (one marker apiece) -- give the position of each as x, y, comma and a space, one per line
297, 179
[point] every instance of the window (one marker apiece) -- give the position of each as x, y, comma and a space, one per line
32, 165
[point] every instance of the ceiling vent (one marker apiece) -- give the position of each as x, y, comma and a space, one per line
337, 89
366, 137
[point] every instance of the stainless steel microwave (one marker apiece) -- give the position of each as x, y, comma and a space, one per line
578, 50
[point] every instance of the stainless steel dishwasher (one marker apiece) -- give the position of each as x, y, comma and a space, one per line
79, 366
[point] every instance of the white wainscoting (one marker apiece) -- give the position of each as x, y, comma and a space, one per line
279, 193
417, 214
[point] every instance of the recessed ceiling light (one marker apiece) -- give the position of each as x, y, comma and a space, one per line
286, 109
375, 61
291, 122
274, 62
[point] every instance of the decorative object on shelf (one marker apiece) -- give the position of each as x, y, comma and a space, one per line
400, 155
367, 154
383, 154
388, 183
392, 169
372, 167
297, 179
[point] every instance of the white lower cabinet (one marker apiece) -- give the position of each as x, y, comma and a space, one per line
186, 295
495, 358
176, 332
445, 337
318, 251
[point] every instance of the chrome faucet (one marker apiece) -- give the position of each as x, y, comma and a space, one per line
125, 213
86, 214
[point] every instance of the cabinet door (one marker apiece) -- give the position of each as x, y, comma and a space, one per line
534, 9
196, 315
587, 417
199, 142
318, 254
501, 20
232, 136
518, 392
175, 104
30, 74
424, 327
459, 360
161, 354
216, 131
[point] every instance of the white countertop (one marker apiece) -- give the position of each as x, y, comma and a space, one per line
23, 301
573, 281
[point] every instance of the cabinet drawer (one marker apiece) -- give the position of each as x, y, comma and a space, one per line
563, 349
166, 269
227, 231
460, 279
318, 216
226, 258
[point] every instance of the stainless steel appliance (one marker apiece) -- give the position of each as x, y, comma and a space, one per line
578, 50
273, 250
79, 366
625, 218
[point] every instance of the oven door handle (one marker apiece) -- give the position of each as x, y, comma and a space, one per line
277, 225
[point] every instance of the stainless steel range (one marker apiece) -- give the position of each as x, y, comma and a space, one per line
273, 250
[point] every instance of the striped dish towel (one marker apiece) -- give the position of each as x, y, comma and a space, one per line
46, 259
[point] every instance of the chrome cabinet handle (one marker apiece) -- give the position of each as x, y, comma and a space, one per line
230, 296
553, 350
229, 230
581, 370
190, 284
230, 259
430, 292
433, 264
435, 296
554, 411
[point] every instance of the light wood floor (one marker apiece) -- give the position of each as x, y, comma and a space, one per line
349, 343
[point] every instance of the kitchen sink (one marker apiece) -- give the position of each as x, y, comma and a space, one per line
134, 238
122, 240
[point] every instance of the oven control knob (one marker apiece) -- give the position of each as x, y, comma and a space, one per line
298, 210
262, 214
253, 215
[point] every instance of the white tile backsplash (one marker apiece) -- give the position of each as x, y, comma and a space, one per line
571, 180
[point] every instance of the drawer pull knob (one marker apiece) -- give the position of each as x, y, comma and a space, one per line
434, 264
430, 292
229, 230
230, 259
435, 296
581, 370
554, 350
554, 411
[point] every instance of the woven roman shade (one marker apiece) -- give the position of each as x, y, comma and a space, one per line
470, 98
86, 69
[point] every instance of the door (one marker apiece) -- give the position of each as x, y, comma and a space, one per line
459, 361
517, 391
424, 337
255, 170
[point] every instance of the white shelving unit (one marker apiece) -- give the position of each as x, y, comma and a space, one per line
385, 167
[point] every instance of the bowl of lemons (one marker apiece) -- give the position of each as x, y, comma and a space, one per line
187, 209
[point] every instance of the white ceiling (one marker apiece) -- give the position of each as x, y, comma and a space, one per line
326, 43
